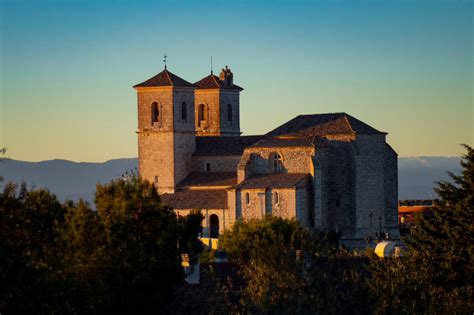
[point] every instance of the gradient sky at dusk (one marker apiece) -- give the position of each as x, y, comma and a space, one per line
67, 68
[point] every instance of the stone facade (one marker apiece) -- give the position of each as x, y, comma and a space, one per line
215, 163
217, 112
329, 171
166, 141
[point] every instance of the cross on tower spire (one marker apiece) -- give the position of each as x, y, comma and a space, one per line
165, 59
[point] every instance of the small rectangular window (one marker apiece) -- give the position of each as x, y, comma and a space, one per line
208, 167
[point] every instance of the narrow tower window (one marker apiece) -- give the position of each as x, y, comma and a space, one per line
184, 111
207, 167
247, 198
277, 162
154, 113
229, 112
276, 197
201, 115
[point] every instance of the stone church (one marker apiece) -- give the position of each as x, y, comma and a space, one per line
329, 171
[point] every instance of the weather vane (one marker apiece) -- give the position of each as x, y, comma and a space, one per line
165, 58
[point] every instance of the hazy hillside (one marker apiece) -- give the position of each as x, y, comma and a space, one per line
417, 175
77, 180
68, 180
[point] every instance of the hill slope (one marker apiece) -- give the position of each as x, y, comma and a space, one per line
68, 180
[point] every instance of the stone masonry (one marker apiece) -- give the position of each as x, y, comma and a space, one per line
329, 171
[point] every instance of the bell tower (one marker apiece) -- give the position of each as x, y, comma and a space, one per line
217, 107
166, 135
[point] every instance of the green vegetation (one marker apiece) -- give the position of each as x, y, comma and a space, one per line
436, 275
124, 258
290, 270
68, 258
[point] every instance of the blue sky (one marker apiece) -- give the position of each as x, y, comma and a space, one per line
67, 67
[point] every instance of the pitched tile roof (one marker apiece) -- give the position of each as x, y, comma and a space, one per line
213, 82
164, 78
196, 199
200, 179
277, 180
272, 142
222, 146
323, 124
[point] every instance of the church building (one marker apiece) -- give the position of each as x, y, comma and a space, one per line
329, 171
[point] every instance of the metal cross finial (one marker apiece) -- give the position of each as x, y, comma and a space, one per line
165, 58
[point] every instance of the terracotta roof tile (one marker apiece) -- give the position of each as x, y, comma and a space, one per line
409, 209
213, 82
196, 199
164, 78
199, 179
222, 146
277, 180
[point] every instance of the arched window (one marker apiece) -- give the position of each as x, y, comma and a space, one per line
214, 225
201, 114
276, 198
154, 113
229, 112
247, 198
184, 111
277, 162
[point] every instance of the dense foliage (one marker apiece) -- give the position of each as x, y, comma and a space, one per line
290, 270
436, 275
125, 258
69, 258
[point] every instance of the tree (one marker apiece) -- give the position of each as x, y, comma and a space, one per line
29, 250
262, 239
289, 269
436, 275
138, 257
189, 229
122, 258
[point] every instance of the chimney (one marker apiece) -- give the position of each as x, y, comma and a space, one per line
227, 77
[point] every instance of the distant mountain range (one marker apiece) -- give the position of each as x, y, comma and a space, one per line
67, 179
418, 175
73, 180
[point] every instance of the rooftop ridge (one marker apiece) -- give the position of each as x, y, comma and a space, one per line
164, 78
322, 124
